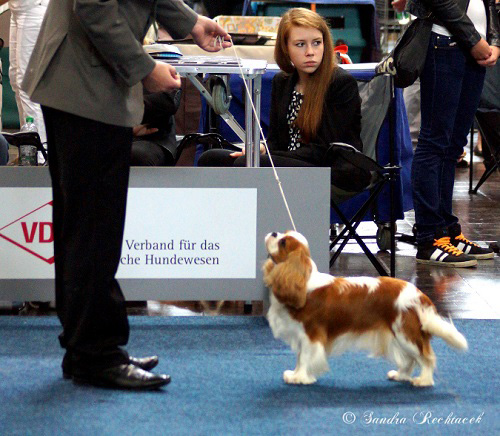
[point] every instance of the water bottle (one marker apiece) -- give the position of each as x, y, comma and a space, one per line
28, 153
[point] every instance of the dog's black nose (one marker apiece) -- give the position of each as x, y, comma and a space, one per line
274, 234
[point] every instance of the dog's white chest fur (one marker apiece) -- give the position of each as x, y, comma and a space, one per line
283, 326
292, 332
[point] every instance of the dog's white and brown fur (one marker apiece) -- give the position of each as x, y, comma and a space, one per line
318, 314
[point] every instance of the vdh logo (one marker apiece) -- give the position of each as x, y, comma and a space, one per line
33, 233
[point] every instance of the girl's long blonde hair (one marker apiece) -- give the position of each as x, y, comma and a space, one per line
315, 90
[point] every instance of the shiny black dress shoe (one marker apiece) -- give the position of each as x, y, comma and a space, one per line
145, 363
126, 376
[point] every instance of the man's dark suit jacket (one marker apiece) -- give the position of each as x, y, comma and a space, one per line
341, 122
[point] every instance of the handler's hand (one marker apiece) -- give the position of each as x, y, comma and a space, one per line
162, 78
481, 51
143, 130
492, 60
205, 32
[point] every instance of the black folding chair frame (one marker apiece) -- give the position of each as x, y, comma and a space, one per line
487, 173
388, 174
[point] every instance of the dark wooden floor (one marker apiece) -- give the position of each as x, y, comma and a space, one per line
457, 292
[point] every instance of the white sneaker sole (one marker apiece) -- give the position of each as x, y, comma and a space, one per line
464, 264
483, 256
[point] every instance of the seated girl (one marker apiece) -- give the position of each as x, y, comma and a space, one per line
313, 103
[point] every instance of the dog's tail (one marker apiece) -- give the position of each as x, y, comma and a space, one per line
435, 325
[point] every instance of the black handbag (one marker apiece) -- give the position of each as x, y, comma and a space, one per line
407, 59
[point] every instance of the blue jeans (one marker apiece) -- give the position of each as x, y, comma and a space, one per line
450, 88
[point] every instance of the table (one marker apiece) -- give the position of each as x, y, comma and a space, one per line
251, 71
264, 52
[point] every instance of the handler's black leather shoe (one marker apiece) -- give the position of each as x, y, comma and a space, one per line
126, 376
145, 363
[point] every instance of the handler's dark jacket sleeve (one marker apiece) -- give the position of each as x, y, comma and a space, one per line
452, 15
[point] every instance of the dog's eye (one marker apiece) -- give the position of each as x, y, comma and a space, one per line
282, 242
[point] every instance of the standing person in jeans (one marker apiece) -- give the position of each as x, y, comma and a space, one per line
464, 40
86, 72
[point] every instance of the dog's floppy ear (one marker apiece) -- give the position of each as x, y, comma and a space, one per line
288, 279
266, 269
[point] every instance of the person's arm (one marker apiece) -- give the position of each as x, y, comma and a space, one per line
455, 20
344, 104
111, 36
113, 39
493, 37
209, 35
460, 26
206, 33
178, 19
493, 24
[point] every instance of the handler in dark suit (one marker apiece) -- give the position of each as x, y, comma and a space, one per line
86, 72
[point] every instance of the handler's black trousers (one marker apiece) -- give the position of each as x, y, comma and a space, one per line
89, 166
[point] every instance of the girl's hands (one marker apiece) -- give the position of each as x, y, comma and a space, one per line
242, 152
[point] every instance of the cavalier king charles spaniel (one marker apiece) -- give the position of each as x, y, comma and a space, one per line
318, 314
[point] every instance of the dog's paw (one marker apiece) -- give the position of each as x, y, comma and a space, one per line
298, 378
394, 375
422, 382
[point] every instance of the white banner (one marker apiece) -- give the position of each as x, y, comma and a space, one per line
169, 233
190, 233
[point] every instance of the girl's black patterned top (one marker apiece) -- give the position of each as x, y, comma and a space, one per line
293, 112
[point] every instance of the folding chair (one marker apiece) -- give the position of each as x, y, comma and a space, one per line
488, 124
376, 95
